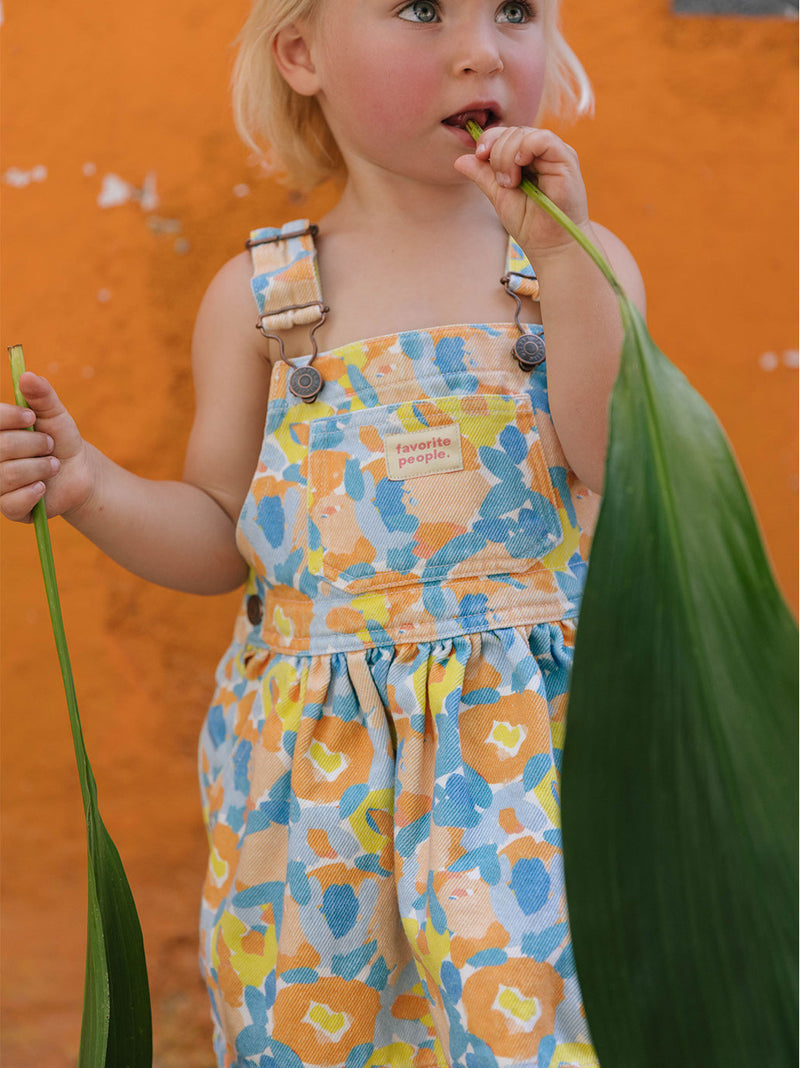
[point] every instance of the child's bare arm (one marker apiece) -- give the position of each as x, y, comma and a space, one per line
176, 533
579, 309
584, 335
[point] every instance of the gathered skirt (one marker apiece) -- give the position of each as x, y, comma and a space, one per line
385, 884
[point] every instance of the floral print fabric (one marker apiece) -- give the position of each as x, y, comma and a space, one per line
380, 763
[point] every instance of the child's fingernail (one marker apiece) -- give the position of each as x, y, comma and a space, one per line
482, 150
518, 158
504, 180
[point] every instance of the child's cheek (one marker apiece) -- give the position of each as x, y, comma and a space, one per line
398, 92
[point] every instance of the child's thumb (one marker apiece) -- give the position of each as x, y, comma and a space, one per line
478, 171
40, 396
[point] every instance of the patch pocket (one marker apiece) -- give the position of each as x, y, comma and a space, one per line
429, 490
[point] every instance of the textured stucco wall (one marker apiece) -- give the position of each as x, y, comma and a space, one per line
123, 189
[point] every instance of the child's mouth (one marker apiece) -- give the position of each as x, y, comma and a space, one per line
483, 116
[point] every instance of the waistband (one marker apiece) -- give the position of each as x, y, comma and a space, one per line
284, 620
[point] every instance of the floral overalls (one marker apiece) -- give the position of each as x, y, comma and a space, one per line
380, 763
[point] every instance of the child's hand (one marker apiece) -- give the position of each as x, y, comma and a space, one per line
496, 168
52, 456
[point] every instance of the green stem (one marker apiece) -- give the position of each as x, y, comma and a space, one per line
88, 789
532, 190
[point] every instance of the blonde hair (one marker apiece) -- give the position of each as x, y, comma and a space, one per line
288, 132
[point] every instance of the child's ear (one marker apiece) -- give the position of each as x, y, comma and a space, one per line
292, 52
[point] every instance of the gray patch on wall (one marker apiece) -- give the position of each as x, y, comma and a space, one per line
787, 8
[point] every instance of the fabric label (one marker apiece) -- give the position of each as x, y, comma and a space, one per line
423, 452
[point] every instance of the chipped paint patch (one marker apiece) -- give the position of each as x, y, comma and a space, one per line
241, 190
149, 197
116, 191
769, 361
159, 225
18, 178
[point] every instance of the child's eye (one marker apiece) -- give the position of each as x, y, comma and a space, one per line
515, 11
419, 11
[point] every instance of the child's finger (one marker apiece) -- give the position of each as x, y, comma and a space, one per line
521, 148
494, 149
17, 474
15, 444
52, 418
18, 504
15, 417
488, 139
546, 152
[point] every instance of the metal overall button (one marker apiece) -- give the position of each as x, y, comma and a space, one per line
305, 383
255, 609
529, 351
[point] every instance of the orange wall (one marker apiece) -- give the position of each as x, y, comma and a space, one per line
691, 159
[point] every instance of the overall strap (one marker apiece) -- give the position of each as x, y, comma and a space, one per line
286, 283
285, 280
520, 277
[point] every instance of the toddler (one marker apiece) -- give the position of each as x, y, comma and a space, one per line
400, 467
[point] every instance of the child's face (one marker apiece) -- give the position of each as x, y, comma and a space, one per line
392, 72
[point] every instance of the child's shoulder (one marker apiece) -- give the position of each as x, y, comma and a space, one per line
227, 314
232, 282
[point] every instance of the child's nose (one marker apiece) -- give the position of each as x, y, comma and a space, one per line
476, 50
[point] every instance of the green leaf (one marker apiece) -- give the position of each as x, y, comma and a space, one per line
679, 807
679, 785
96, 995
116, 1027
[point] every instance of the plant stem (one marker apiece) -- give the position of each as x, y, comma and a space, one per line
54, 605
532, 190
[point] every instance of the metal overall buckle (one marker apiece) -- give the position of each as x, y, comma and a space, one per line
304, 382
529, 349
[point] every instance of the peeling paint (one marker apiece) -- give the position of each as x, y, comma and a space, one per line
116, 191
160, 225
148, 196
18, 178
770, 361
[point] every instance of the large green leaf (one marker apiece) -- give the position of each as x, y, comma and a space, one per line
679, 785
680, 769
116, 1026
